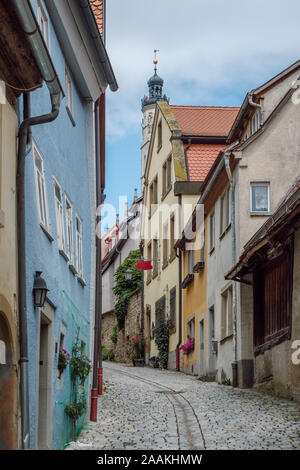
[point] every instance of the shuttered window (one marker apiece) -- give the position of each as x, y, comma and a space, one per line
272, 297
173, 308
160, 309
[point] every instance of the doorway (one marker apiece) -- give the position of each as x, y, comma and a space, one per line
44, 382
211, 337
201, 346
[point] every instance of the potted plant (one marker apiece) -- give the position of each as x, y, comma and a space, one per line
63, 360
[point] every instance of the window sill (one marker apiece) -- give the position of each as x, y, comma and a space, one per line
211, 251
226, 338
154, 275
47, 233
69, 112
148, 282
152, 211
166, 193
225, 231
165, 264
187, 281
284, 335
172, 257
64, 255
172, 330
81, 281
265, 214
2, 219
159, 147
73, 269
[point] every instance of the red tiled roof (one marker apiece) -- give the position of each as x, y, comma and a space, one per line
97, 7
205, 120
201, 158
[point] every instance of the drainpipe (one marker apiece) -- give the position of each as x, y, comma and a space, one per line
179, 297
28, 22
234, 294
257, 105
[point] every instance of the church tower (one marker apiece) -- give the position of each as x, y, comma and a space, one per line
155, 85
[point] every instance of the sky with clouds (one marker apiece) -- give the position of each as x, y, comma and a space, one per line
211, 52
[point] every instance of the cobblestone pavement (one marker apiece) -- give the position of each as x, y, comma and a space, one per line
151, 409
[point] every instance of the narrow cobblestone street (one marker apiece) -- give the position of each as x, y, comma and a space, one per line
151, 409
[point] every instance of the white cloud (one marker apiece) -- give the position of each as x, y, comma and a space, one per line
208, 48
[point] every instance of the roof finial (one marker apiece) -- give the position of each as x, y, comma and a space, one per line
155, 61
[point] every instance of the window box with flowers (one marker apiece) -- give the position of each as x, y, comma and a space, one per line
63, 361
188, 347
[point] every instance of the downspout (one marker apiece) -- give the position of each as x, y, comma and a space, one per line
179, 297
28, 22
97, 386
257, 105
234, 289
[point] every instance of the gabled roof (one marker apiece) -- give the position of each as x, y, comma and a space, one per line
208, 121
200, 159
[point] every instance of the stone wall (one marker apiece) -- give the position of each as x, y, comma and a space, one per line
132, 327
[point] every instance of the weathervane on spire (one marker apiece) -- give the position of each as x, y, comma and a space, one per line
155, 61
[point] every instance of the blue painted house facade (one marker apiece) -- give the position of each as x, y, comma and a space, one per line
60, 208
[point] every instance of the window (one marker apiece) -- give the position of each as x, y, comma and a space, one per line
167, 176
160, 310
41, 189
69, 224
59, 216
149, 257
153, 195
224, 212
226, 313
165, 244
69, 91
255, 123
159, 135
202, 246
79, 262
155, 256
212, 231
172, 237
273, 287
2, 353
43, 22
61, 347
260, 197
191, 261
190, 331
173, 307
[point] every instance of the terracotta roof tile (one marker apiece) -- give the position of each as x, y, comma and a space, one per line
97, 6
201, 158
205, 120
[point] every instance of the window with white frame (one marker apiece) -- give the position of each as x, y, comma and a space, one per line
43, 22
255, 123
69, 225
224, 211
191, 261
41, 188
260, 197
69, 90
190, 329
212, 231
226, 313
79, 261
59, 215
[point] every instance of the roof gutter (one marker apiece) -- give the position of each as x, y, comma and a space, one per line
96, 36
30, 27
257, 105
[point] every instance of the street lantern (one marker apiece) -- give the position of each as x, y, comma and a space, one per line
39, 290
128, 275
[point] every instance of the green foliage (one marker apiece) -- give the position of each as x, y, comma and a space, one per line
124, 288
75, 410
114, 335
80, 363
162, 335
107, 354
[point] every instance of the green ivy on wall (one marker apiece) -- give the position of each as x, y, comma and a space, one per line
124, 288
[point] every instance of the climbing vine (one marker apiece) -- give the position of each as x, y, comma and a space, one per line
162, 335
124, 288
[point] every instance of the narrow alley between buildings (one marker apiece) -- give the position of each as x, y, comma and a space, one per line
151, 409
